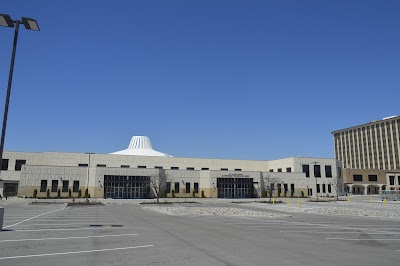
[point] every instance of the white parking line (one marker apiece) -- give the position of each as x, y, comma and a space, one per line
67, 229
339, 232
68, 224
34, 217
62, 238
73, 252
356, 239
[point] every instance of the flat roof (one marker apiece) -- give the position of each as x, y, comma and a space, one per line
390, 118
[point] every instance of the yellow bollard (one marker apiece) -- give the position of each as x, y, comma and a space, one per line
288, 202
273, 201
384, 202
298, 203
348, 199
370, 201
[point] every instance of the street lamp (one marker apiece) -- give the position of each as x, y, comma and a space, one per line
6, 21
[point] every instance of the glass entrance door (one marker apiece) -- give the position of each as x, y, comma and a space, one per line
118, 192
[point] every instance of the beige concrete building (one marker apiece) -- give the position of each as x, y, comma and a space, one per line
127, 174
370, 154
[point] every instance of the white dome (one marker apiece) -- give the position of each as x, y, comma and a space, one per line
140, 145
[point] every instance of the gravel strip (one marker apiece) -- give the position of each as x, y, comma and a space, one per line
334, 211
213, 211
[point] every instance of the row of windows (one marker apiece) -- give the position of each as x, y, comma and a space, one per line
187, 187
317, 170
158, 167
391, 180
288, 170
371, 178
18, 164
54, 186
324, 188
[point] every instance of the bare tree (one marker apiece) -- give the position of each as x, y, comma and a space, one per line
269, 185
157, 183
335, 183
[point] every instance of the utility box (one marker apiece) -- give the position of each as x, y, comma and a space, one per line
1, 218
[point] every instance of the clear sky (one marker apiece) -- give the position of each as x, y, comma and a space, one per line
216, 79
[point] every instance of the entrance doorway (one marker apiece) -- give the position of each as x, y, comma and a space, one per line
126, 187
235, 188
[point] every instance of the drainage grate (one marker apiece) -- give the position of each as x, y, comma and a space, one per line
117, 225
96, 225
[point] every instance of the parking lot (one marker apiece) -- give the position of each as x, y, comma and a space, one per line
122, 233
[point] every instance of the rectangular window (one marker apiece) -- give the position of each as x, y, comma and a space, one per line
317, 170
292, 187
18, 164
65, 186
174, 168
285, 186
101, 165
124, 166
168, 187
75, 188
205, 169
187, 187
288, 169
309, 192
158, 167
328, 171
306, 169
357, 178
189, 168
391, 180
196, 187
323, 188
238, 169
4, 165
329, 188
224, 169
54, 185
176, 187
372, 178
141, 166
279, 169
318, 190
43, 186
271, 170
83, 165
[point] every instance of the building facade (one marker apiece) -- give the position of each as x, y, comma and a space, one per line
128, 175
370, 154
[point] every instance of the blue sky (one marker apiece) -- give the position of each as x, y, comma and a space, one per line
216, 79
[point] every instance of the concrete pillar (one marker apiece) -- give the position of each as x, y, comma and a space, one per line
350, 188
1, 218
365, 189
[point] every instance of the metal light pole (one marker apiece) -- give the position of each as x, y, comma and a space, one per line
6, 21
87, 181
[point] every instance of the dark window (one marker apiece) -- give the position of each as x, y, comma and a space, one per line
196, 187
317, 170
54, 185
4, 164
323, 188
176, 187
141, 166
174, 168
292, 187
318, 190
286, 187
329, 188
279, 188
238, 169
168, 188
83, 165
372, 178
158, 167
279, 169
271, 170
189, 168
309, 191
75, 188
65, 186
43, 186
101, 165
391, 180
357, 178
288, 169
306, 169
18, 164
224, 169
328, 171
124, 166
205, 169
187, 187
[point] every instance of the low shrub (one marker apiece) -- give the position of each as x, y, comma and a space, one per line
193, 194
291, 193
86, 193
58, 193
302, 194
79, 193
48, 193
173, 193
202, 194
69, 193
35, 193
